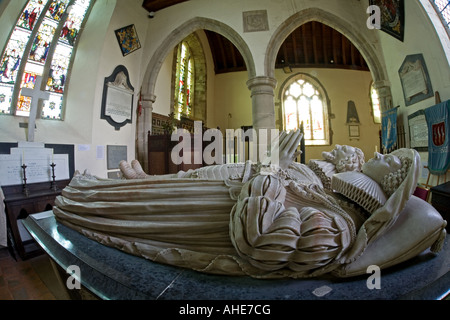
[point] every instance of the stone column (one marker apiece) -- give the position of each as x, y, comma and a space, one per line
263, 101
384, 93
263, 112
145, 126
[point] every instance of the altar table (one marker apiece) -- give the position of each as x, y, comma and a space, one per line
109, 273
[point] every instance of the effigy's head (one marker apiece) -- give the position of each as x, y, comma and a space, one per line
388, 170
381, 178
345, 158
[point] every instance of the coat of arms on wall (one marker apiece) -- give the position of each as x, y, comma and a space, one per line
392, 16
128, 39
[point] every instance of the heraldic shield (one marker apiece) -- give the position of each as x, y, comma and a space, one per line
439, 134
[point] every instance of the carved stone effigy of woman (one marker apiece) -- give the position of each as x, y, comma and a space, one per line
265, 222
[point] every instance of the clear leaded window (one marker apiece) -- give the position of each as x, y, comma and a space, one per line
375, 101
304, 102
444, 9
184, 87
41, 44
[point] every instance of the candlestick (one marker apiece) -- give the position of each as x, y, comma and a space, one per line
25, 188
53, 185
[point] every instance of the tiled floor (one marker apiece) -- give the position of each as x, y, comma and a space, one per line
31, 279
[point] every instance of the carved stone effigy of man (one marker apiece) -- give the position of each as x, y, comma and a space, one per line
273, 221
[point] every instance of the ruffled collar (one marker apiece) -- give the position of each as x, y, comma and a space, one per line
324, 170
359, 188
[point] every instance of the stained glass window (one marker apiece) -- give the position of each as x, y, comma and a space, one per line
304, 103
41, 46
376, 109
185, 82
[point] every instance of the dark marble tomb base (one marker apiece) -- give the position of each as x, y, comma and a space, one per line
112, 274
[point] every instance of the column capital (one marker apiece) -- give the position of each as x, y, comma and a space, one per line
381, 84
149, 97
262, 81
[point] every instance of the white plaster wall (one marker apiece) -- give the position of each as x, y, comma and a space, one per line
232, 103
420, 37
230, 13
163, 87
125, 13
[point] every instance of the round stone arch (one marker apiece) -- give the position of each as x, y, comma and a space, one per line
377, 67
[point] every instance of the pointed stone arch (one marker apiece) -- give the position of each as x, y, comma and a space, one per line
182, 32
372, 57
154, 66
347, 29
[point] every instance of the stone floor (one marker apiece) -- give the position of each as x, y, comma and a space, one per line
31, 279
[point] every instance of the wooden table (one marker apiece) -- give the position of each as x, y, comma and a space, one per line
18, 206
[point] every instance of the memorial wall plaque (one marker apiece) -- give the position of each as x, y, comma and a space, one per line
415, 80
418, 131
117, 101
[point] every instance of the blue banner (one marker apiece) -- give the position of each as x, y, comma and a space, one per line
438, 140
389, 129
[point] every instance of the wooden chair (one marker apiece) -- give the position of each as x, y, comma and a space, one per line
422, 193
423, 190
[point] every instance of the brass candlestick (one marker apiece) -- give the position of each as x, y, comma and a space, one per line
53, 185
25, 188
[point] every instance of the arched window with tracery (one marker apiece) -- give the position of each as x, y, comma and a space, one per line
41, 44
304, 101
184, 87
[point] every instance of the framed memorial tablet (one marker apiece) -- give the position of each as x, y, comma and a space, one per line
117, 101
415, 79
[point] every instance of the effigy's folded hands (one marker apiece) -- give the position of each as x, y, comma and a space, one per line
298, 243
284, 149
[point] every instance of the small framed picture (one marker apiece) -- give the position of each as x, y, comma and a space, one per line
353, 131
128, 39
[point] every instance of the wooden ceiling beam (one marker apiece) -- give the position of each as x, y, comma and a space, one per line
334, 42
325, 44
312, 45
305, 44
353, 54
156, 5
223, 56
314, 40
294, 47
344, 53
